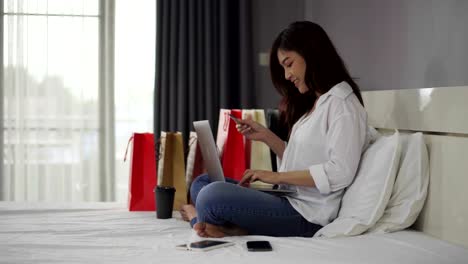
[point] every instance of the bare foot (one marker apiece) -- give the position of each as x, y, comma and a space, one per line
188, 212
209, 230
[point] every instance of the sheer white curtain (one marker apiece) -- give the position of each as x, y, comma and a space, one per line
57, 114
135, 36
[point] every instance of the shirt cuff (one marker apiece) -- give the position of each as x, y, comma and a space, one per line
320, 178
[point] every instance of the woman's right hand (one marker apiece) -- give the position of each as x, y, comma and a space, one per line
252, 130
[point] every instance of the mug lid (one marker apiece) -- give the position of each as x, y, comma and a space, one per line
160, 187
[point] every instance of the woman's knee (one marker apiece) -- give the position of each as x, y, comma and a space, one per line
197, 185
213, 195
199, 181
202, 178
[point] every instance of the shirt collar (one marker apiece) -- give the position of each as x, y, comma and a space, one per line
341, 90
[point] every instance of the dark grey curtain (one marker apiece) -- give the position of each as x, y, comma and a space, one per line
203, 61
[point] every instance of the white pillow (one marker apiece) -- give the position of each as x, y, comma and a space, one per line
410, 188
365, 199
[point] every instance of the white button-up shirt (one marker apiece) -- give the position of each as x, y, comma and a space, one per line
328, 143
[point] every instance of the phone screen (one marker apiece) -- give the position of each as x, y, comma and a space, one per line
206, 243
259, 246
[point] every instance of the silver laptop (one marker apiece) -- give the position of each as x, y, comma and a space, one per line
211, 157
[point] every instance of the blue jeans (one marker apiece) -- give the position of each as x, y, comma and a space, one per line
259, 213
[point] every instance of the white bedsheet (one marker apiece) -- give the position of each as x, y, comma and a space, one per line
108, 233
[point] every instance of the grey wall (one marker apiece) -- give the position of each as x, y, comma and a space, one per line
398, 44
269, 18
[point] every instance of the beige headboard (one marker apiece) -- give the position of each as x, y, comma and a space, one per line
442, 115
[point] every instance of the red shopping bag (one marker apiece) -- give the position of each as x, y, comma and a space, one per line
234, 153
142, 173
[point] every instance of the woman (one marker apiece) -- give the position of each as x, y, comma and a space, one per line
323, 110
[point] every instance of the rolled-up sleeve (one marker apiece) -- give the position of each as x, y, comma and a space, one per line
320, 178
345, 139
278, 160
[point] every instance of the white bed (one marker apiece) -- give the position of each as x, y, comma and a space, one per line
107, 232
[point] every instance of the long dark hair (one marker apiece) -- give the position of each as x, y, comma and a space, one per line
324, 69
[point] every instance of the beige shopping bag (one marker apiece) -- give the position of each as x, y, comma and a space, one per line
171, 166
257, 153
195, 166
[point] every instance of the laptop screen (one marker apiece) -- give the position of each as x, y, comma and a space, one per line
209, 150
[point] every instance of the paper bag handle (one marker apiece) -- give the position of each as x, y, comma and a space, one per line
126, 150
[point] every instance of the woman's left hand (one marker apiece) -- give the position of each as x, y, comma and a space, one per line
264, 176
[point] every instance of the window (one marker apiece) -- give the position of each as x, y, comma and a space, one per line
51, 100
61, 119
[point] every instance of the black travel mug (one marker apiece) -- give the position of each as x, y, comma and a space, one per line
164, 201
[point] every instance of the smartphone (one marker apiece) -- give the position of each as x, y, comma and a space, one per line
204, 245
235, 119
259, 246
